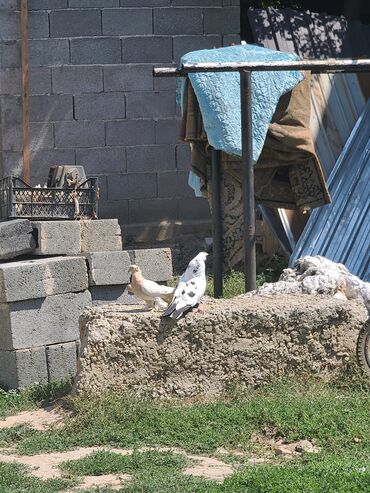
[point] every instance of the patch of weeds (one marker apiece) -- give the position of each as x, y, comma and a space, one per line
11, 436
14, 401
101, 463
15, 479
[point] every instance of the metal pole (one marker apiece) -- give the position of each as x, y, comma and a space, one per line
217, 223
248, 181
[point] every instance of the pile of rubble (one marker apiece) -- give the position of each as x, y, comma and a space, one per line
49, 272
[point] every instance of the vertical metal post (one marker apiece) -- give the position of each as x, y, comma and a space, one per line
217, 223
249, 215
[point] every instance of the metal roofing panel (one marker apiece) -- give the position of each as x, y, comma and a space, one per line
340, 231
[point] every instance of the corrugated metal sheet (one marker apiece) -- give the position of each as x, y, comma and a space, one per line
341, 231
337, 100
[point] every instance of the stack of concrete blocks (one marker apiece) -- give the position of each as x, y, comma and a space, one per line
70, 265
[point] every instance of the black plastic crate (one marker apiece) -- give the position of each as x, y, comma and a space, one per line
20, 200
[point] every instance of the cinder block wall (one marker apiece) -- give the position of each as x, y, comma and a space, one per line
94, 100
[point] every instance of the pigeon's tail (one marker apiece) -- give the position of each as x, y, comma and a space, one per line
180, 312
169, 310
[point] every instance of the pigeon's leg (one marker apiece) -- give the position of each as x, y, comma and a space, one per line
198, 309
149, 305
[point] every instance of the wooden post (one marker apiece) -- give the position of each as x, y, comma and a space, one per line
25, 91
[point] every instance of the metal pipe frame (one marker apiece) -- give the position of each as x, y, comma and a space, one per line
249, 208
217, 224
245, 69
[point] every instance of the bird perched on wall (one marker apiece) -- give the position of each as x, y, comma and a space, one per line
154, 295
191, 288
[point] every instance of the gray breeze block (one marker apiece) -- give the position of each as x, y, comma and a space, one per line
32, 279
57, 237
108, 268
61, 361
101, 235
15, 238
105, 295
23, 367
44, 321
155, 263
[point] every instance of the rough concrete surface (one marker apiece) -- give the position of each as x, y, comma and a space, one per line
31, 279
50, 320
103, 295
155, 263
101, 235
108, 268
23, 367
57, 237
15, 238
245, 340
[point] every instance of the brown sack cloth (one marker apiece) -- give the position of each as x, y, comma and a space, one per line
288, 173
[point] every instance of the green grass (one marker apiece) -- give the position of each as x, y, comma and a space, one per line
336, 417
15, 479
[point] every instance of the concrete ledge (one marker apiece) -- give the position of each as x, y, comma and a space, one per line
61, 361
15, 238
155, 263
31, 279
246, 341
50, 320
103, 295
23, 367
57, 237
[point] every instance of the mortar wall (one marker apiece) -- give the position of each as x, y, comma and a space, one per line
94, 101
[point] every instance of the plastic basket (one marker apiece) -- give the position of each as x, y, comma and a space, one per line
20, 200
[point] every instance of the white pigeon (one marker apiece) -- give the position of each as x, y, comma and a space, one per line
155, 295
191, 288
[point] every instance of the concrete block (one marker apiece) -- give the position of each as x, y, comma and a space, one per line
101, 235
106, 295
10, 54
102, 160
47, 4
10, 81
108, 268
185, 44
51, 108
155, 263
48, 52
77, 80
93, 3
12, 163
114, 208
79, 134
196, 3
132, 186
11, 109
31, 279
38, 25
150, 158
44, 321
9, 25
23, 368
61, 360
100, 106
127, 21
167, 130
145, 3
130, 132
174, 184
128, 78
165, 84
95, 51
230, 39
41, 136
183, 157
150, 104
71, 23
147, 49
178, 20
196, 208
15, 238
222, 21
148, 211
40, 80
57, 237
9, 4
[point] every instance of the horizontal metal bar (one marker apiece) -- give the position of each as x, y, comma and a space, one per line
315, 66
